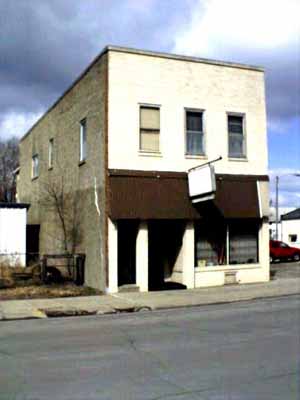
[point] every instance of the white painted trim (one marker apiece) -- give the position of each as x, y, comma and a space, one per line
233, 267
259, 199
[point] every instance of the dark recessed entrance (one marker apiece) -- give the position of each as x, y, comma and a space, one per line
165, 242
127, 233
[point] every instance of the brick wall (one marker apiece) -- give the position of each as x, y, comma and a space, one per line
86, 99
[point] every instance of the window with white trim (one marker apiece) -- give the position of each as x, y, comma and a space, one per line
194, 132
149, 128
220, 242
236, 136
210, 243
35, 166
243, 243
83, 146
50, 153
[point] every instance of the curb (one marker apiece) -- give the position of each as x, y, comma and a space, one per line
50, 313
32, 310
45, 313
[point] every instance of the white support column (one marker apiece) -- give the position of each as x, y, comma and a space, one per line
142, 257
264, 255
112, 257
188, 267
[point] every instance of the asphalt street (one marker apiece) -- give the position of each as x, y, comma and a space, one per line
248, 350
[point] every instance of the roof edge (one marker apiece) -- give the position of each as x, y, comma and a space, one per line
291, 215
80, 76
150, 53
180, 57
14, 205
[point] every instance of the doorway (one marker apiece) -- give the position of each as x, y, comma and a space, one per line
165, 243
32, 243
127, 233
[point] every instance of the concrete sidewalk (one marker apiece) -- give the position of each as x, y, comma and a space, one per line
127, 302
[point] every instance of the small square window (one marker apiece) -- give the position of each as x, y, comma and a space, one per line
83, 146
293, 238
194, 133
35, 166
236, 136
149, 128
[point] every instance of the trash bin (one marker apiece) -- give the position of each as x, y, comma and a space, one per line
79, 269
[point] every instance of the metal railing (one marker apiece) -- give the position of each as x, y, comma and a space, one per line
54, 268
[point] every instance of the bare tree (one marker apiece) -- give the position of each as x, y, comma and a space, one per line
66, 208
9, 161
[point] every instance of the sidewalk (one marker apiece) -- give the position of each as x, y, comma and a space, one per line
128, 302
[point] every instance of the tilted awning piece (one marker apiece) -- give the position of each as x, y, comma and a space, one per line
237, 196
164, 195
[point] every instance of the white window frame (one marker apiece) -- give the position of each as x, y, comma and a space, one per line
50, 153
202, 112
243, 116
228, 245
82, 141
156, 107
35, 166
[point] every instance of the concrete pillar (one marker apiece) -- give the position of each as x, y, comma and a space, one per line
142, 257
112, 257
188, 248
264, 252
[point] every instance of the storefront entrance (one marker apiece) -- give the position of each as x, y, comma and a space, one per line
127, 233
165, 243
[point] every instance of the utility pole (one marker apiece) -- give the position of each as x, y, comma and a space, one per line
297, 174
277, 184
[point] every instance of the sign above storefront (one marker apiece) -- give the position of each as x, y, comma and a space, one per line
202, 183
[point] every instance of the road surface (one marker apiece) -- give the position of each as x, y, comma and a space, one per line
241, 351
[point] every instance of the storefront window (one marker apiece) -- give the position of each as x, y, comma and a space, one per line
210, 243
223, 242
243, 243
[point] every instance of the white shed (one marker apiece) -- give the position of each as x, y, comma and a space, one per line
290, 228
13, 218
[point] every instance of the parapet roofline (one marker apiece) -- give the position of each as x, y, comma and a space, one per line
184, 58
142, 52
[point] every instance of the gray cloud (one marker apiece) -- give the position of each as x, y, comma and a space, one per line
46, 44
282, 80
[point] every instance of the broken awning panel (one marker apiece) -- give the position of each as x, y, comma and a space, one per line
164, 195
237, 198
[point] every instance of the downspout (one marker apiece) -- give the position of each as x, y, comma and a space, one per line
99, 214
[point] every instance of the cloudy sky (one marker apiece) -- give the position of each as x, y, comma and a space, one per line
45, 44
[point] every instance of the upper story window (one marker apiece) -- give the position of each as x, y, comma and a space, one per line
236, 136
82, 149
149, 128
50, 153
35, 166
194, 133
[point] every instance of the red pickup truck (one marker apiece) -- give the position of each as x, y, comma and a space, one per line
282, 251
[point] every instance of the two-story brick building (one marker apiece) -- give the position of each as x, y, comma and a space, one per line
122, 139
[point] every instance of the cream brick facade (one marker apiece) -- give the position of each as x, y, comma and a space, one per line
174, 85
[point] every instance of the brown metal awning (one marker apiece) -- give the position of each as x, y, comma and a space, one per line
164, 195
